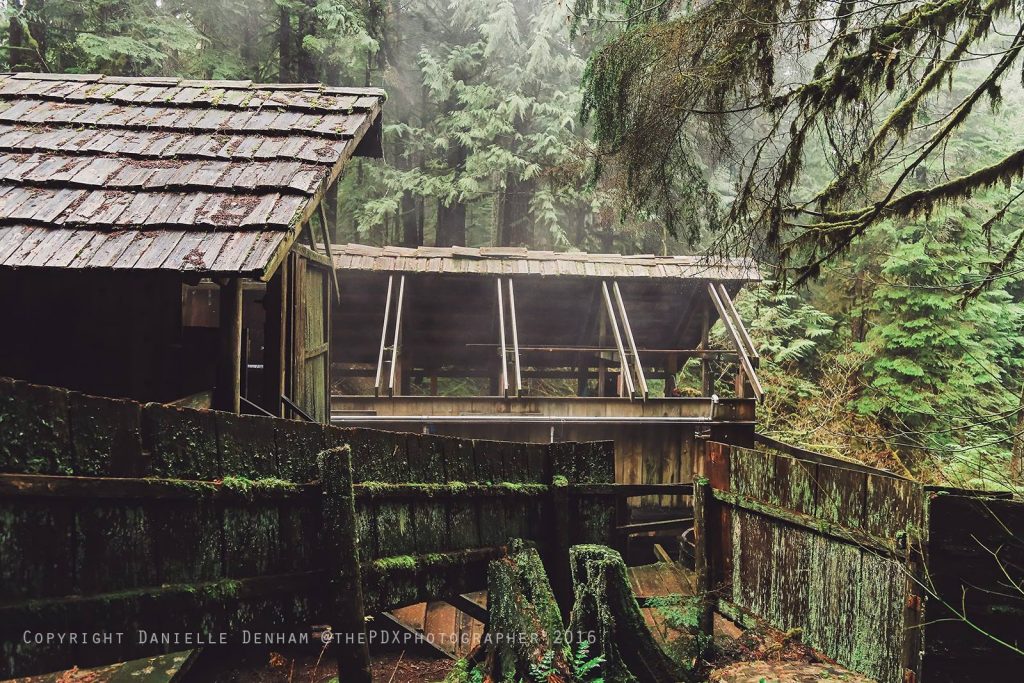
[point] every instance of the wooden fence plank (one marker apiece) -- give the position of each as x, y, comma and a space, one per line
182, 443
107, 436
246, 445
34, 436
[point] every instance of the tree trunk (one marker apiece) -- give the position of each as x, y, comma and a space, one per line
284, 47
26, 39
515, 229
15, 37
1017, 452
307, 63
412, 221
451, 225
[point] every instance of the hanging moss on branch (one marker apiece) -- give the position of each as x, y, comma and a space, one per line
695, 85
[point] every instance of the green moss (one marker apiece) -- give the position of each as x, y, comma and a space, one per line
395, 563
187, 484
452, 488
248, 487
559, 481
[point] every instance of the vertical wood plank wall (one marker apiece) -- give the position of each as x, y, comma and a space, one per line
166, 518
822, 549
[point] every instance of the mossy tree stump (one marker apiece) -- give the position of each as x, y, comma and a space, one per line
526, 633
525, 628
606, 611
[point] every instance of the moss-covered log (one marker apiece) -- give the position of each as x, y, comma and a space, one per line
607, 612
525, 630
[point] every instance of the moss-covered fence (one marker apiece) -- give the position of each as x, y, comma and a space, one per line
860, 564
145, 521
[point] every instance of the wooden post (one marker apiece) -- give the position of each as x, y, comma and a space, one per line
274, 304
671, 368
229, 362
346, 613
707, 380
622, 518
559, 542
701, 500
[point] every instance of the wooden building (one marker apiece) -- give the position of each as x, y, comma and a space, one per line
163, 238
535, 346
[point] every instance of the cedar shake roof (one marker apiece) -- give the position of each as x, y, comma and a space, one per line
165, 174
518, 261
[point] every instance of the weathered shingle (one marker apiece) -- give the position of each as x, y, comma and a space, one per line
516, 260
165, 173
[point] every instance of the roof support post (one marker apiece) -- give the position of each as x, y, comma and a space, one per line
227, 395
383, 338
274, 330
503, 350
327, 242
639, 367
396, 343
515, 337
627, 376
748, 343
739, 340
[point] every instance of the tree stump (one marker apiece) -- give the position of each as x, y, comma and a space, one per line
606, 611
525, 629
526, 639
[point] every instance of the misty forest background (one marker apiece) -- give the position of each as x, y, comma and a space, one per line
881, 357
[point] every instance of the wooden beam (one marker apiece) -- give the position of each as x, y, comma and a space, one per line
612, 349
383, 337
275, 304
396, 342
229, 362
147, 488
327, 248
730, 327
504, 351
629, 338
744, 335
887, 546
468, 607
702, 500
515, 336
660, 525
623, 360
345, 606
630, 490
